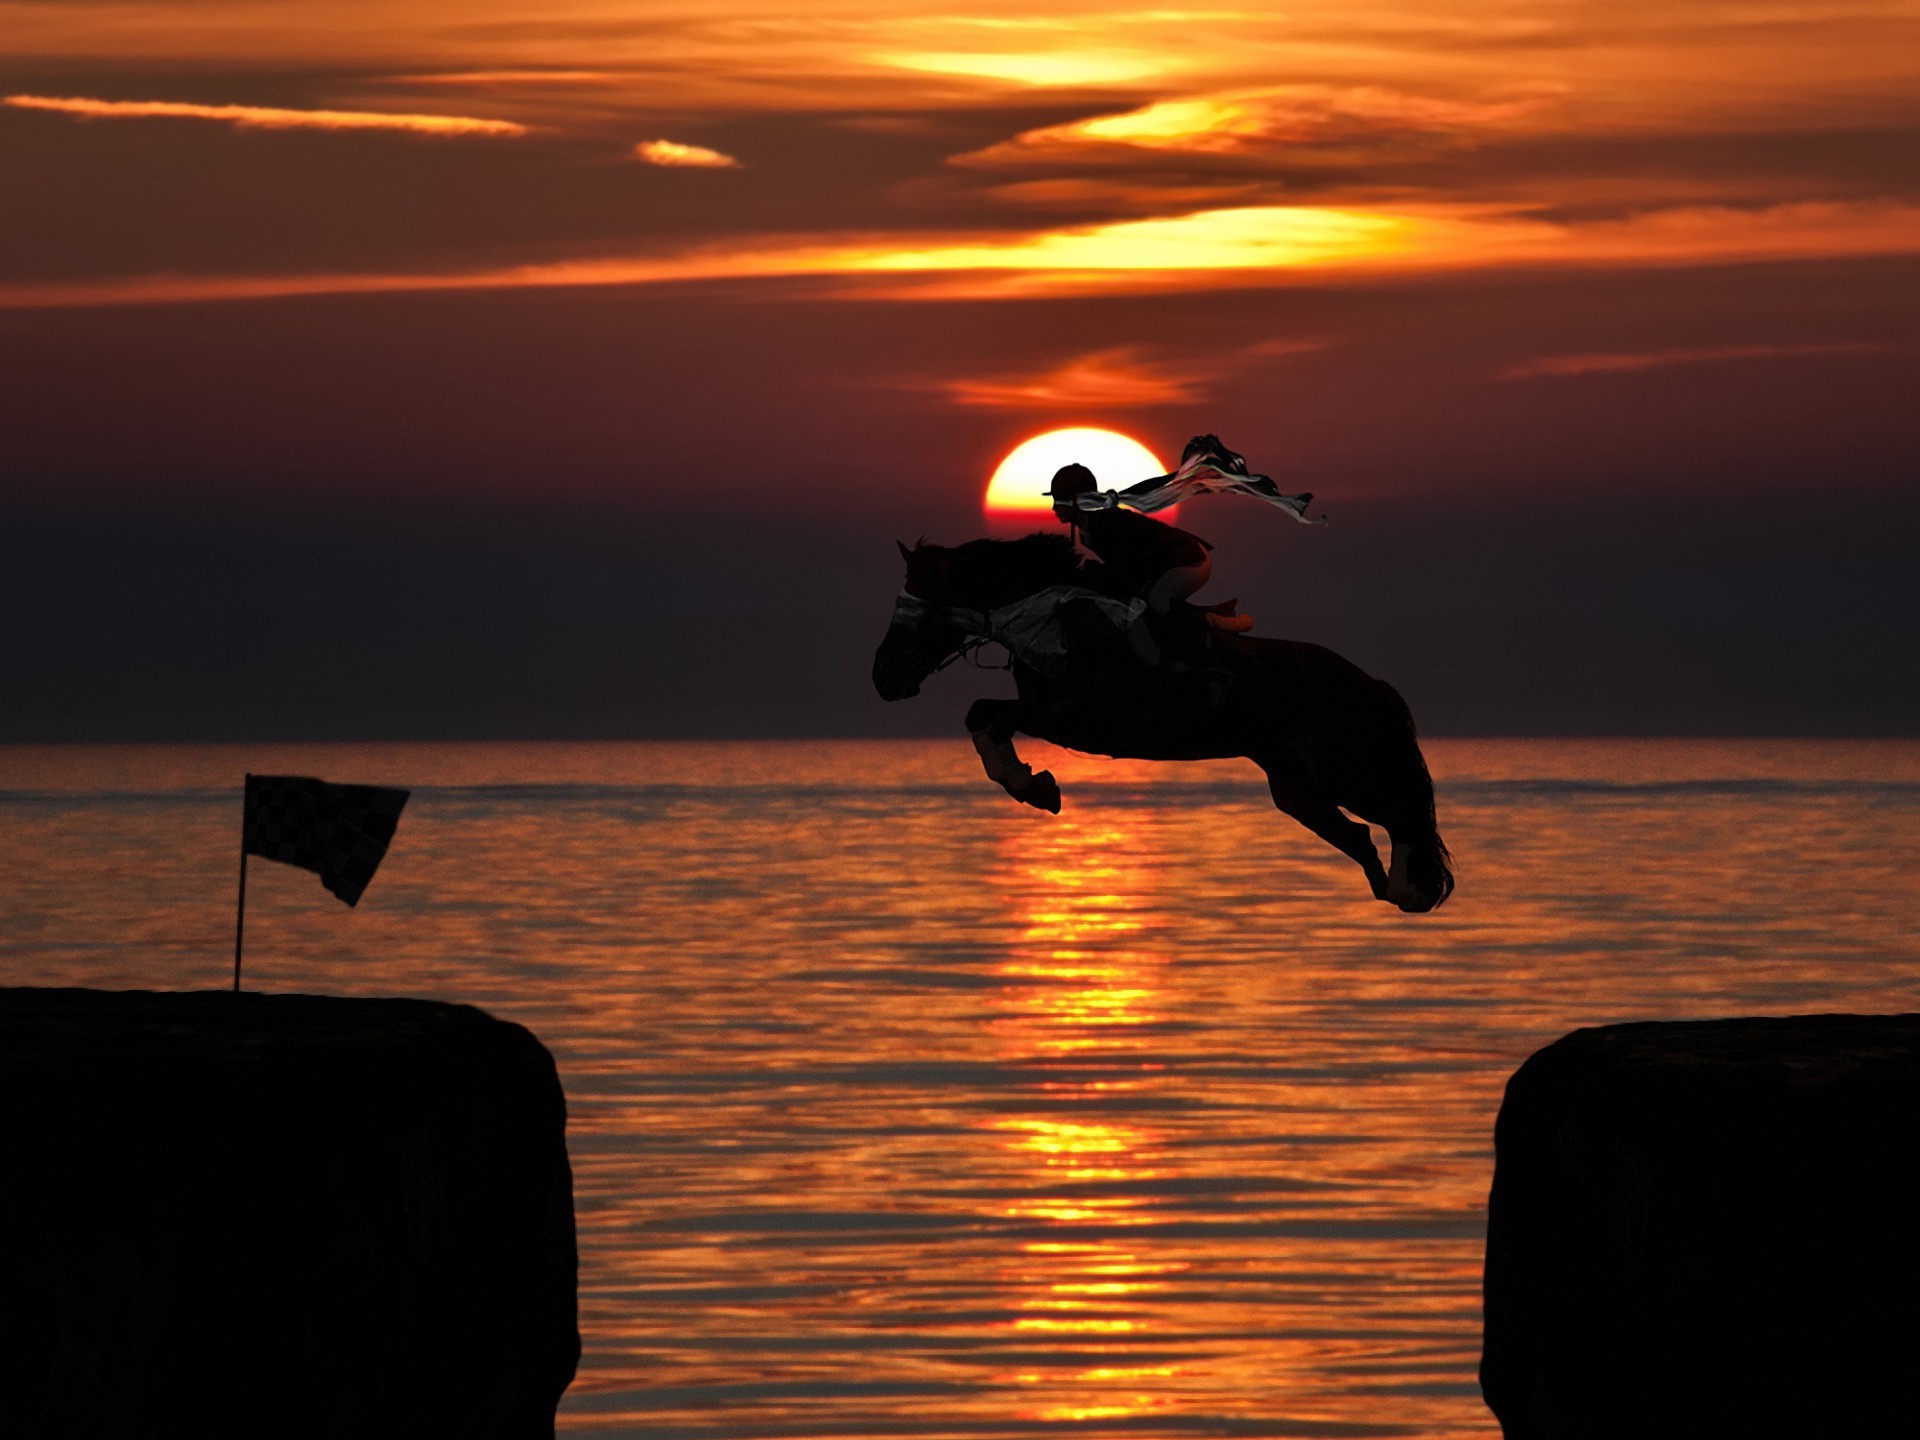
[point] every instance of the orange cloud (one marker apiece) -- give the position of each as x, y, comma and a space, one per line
1127, 194
1255, 245
1604, 364
1068, 65
1251, 237
1702, 69
1283, 245
1105, 379
264, 117
1113, 379
511, 78
1245, 121
677, 156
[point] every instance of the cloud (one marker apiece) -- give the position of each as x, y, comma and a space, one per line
1067, 66
1244, 122
1105, 379
1806, 67
1606, 364
1127, 195
1286, 245
1250, 237
511, 79
264, 117
1119, 378
1207, 249
674, 155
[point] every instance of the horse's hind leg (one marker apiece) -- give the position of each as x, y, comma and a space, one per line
992, 723
1295, 793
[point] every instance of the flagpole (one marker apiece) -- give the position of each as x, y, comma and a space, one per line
240, 914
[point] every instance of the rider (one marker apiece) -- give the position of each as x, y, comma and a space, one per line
1157, 562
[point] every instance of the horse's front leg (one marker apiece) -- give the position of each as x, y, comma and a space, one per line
993, 723
1295, 793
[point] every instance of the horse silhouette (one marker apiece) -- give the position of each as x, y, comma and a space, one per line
1328, 735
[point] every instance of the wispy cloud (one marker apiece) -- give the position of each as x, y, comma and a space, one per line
1605, 363
511, 79
1113, 379
1120, 378
1207, 249
1244, 122
674, 155
1284, 245
264, 117
1128, 195
1068, 66
1252, 237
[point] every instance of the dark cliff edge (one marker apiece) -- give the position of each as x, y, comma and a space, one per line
1709, 1229
283, 1215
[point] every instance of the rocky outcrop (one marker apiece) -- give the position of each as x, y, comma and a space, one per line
279, 1215
1709, 1229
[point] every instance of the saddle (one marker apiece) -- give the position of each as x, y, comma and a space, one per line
1179, 654
1074, 633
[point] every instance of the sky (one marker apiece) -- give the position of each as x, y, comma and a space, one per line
492, 370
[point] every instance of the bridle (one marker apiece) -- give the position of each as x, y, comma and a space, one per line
975, 627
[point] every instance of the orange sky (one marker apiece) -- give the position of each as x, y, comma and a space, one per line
1034, 151
1643, 270
936, 163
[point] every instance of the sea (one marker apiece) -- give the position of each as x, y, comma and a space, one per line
898, 1109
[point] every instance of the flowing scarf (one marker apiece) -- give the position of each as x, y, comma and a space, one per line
1203, 474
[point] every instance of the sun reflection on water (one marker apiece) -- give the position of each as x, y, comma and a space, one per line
1081, 982
896, 1111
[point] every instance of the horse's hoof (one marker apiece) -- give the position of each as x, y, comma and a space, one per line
1042, 792
1413, 902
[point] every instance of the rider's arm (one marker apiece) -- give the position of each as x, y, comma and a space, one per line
1100, 578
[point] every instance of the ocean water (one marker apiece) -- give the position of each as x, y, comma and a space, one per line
900, 1110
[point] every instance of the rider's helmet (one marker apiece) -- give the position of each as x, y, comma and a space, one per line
1069, 481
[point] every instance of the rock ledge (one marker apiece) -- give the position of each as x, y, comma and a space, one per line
1709, 1229
282, 1215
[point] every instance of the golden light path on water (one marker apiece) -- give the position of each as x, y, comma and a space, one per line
896, 1110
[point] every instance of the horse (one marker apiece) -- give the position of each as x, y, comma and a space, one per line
1329, 736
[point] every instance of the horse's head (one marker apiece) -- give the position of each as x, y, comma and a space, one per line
945, 585
919, 636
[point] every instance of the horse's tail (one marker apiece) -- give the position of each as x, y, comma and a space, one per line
1429, 862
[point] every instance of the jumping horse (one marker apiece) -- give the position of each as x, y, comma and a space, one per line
1329, 736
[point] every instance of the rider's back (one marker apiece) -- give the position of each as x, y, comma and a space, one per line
1135, 549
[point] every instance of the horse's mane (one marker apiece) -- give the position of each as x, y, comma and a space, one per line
995, 571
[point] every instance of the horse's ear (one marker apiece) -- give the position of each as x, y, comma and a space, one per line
905, 553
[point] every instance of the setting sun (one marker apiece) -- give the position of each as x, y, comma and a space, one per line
1018, 488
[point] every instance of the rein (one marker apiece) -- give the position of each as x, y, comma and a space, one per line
975, 626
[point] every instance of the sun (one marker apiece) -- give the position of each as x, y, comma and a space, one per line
1018, 490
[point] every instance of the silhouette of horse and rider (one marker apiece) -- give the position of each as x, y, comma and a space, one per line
1108, 657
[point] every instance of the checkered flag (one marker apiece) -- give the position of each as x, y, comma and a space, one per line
338, 831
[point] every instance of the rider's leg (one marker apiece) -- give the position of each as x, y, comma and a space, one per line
1185, 634
1172, 586
1178, 583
